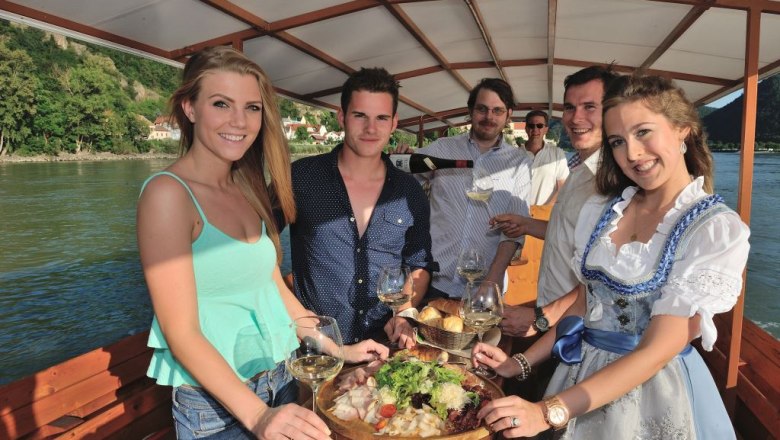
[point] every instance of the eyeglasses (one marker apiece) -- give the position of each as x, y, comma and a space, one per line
539, 126
483, 110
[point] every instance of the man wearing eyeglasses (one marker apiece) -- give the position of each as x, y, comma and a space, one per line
549, 169
458, 222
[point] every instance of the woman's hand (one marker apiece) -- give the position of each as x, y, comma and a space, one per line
290, 422
364, 351
495, 358
528, 418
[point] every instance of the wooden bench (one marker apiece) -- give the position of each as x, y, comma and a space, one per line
101, 394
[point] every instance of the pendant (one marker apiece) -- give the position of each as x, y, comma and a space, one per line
633, 237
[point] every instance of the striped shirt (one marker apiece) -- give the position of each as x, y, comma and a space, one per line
457, 221
574, 161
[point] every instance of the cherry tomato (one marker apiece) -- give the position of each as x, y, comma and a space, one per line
387, 410
380, 424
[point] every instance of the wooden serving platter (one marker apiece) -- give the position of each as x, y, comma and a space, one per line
360, 430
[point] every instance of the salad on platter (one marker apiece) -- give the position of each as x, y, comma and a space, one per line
409, 397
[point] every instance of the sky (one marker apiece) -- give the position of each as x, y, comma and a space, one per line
725, 100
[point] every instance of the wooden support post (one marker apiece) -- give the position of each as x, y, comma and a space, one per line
420, 133
749, 110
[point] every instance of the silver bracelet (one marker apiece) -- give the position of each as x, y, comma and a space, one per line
525, 367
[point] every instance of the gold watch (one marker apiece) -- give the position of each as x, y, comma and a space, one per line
556, 414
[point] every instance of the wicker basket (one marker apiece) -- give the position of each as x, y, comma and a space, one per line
444, 338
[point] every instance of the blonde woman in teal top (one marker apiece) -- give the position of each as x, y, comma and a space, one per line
210, 253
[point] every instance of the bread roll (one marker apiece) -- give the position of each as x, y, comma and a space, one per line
453, 323
429, 314
435, 322
448, 306
426, 353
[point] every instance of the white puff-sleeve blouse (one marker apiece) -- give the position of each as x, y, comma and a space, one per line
706, 279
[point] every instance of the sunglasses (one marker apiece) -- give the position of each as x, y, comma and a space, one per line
539, 126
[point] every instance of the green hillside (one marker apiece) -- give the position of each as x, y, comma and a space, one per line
60, 95
65, 96
724, 125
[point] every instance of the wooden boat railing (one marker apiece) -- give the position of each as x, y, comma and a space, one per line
756, 399
101, 394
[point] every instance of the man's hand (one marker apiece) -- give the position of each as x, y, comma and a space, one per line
399, 330
518, 321
401, 149
511, 225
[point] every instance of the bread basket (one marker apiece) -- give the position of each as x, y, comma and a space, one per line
444, 338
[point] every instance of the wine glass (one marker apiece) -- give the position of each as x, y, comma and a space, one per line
471, 264
320, 354
481, 187
482, 308
394, 287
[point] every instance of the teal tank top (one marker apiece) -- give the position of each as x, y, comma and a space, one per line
240, 308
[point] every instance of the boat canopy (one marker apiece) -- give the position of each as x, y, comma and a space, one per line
440, 49
437, 49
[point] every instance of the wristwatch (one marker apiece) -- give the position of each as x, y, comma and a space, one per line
541, 323
555, 413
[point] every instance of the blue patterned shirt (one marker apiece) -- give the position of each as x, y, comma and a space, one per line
334, 269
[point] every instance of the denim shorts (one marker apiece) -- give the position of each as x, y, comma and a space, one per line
197, 415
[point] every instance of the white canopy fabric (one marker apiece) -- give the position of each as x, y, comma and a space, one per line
438, 49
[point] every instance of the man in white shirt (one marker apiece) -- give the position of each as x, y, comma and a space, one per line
549, 169
582, 97
457, 221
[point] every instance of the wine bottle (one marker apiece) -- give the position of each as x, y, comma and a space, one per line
421, 163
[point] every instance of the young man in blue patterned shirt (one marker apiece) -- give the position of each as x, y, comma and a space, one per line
356, 213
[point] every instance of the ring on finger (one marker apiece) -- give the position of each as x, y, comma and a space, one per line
514, 422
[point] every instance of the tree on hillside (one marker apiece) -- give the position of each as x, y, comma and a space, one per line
17, 89
287, 109
725, 124
94, 104
301, 134
50, 123
330, 121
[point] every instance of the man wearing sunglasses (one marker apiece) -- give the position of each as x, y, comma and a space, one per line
458, 222
549, 169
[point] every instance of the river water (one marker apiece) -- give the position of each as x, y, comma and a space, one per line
70, 280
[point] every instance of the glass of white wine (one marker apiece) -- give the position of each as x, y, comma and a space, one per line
481, 188
394, 286
320, 354
482, 308
471, 264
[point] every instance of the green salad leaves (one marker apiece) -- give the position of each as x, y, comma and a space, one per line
405, 378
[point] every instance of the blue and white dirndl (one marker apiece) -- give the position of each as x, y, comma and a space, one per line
681, 401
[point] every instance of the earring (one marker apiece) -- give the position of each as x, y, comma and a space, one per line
683, 148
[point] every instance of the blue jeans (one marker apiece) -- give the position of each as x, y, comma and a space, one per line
197, 415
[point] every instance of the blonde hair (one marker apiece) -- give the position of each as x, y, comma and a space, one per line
269, 150
661, 96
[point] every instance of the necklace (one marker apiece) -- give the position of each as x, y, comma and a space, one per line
633, 236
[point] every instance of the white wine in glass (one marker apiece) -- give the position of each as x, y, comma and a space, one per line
394, 287
481, 188
320, 355
482, 308
471, 264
